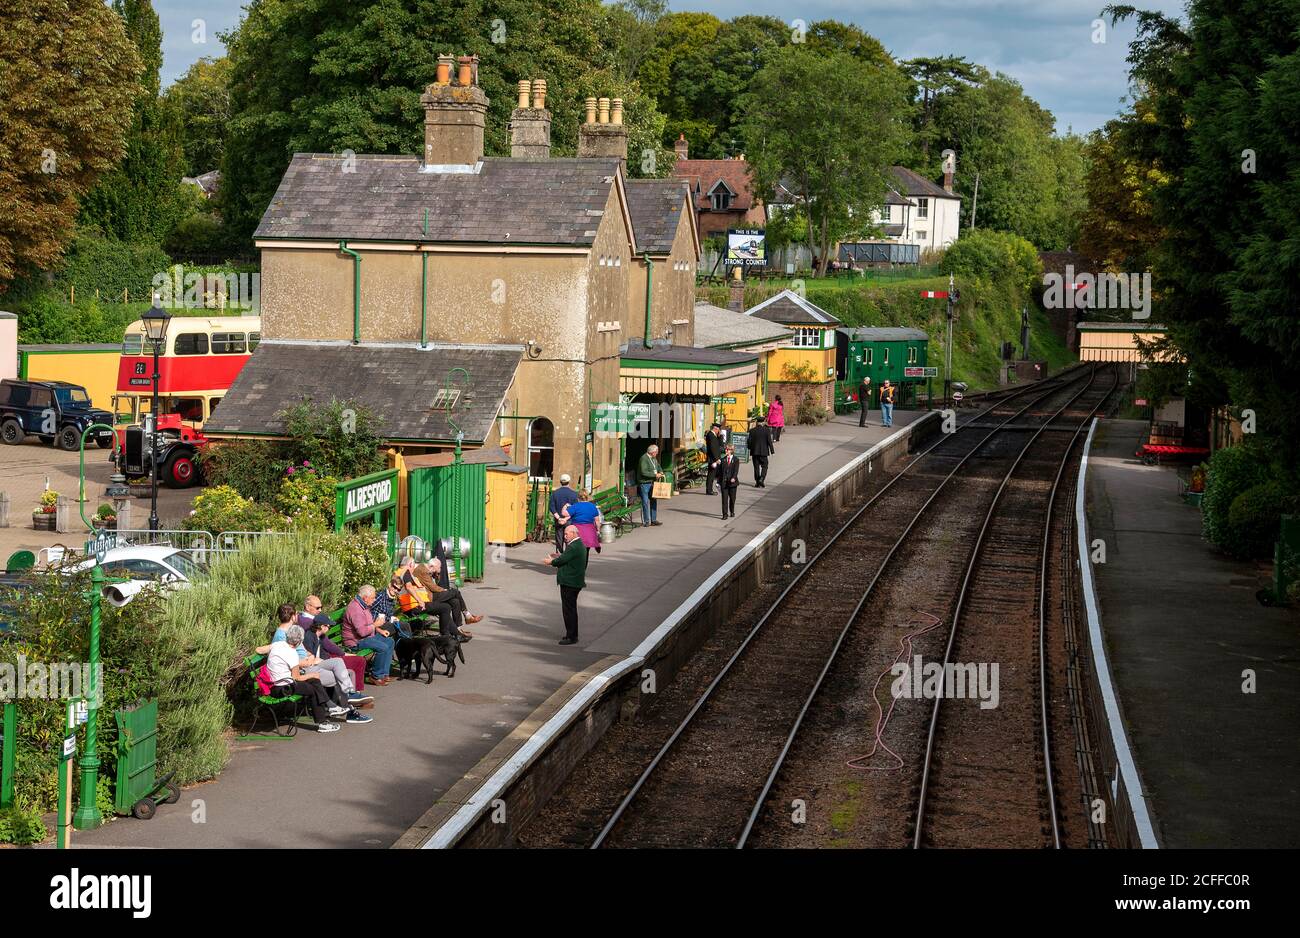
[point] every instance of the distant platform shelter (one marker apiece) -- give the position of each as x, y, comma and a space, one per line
1118, 342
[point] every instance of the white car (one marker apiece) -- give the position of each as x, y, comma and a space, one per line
143, 566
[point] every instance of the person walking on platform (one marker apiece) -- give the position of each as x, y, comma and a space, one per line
571, 573
729, 482
776, 419
760, 447
713, 449
647, 474
561, 497
887, 404
864, 400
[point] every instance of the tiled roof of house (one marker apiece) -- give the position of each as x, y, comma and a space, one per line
716, 327
789, 308
704, 175
398, 382
384, 198
685, 354
913, 184
656, 208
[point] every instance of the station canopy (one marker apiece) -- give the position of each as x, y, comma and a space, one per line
683, 371
1118, 341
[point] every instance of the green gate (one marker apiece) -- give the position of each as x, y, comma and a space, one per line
448, 502
137, 754
8, 749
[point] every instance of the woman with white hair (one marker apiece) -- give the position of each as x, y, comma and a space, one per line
287, 671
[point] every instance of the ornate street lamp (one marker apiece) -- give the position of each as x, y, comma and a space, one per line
155, 321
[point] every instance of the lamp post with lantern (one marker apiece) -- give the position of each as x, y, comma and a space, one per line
155, 321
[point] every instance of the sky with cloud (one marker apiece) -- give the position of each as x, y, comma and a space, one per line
1046, 45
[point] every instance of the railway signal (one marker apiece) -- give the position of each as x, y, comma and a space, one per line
952, 295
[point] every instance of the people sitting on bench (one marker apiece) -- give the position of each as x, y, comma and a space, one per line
332, 673
287, 671
386, 605
314, 621
362, 628
427, 583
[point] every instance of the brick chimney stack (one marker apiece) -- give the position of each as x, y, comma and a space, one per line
680, 146
454, 114
949, 168
530, 122
603, 134
736, 291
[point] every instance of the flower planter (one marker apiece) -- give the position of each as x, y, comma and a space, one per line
43, 521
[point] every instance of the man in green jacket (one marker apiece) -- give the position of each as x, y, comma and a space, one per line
571, 573
647, 474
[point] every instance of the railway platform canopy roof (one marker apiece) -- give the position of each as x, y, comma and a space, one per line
1120, 342
685, 371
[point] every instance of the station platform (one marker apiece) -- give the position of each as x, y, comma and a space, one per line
1218, 767
366, 785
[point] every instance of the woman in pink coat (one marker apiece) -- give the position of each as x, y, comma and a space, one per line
776, 417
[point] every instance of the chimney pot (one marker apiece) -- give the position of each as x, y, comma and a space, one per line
465, 74
603, 114
525, 87
616, 111
590, 105
454, 116
444, 69
539, 93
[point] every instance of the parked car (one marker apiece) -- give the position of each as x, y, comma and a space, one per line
56, 411
143, 566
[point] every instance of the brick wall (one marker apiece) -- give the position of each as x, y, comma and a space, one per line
791, 393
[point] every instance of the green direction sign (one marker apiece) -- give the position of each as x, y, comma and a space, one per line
618, 418
365, 496
723, 400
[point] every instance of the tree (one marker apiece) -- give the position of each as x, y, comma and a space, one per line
140, 199
833, 150
1118, 229
200, 103
634, 22
1223, 90
932, 77
71, 75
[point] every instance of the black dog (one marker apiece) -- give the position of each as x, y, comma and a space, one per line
416, 654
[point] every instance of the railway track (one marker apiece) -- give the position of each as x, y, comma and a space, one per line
708, 782
987, 776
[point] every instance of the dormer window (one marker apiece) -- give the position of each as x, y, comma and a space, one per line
720, 196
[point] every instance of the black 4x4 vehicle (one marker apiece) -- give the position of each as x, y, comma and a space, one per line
56, 411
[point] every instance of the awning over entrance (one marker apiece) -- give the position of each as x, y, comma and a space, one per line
685, 372
1118, 341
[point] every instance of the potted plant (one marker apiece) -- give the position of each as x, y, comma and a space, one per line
43, 516
106, 517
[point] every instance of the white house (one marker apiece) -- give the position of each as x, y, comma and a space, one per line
920, 212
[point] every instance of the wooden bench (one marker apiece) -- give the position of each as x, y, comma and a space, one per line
614, 507
274, 701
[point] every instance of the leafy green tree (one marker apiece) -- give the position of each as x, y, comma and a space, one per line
1223, 88
833, 150
140, 199
70, 75
1117, 228
932, 77
200, 103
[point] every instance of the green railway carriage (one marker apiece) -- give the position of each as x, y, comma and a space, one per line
877, 352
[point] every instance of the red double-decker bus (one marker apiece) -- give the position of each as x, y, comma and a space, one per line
196, 368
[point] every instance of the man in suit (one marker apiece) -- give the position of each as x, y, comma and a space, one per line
864, 400
571, 573
729, 481
713, 450
760, 447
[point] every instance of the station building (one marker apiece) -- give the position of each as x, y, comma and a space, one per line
809, 351
486, 299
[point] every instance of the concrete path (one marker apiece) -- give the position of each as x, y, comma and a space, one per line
365, 785
1221, 768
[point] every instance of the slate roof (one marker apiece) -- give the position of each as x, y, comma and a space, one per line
383, 198
913, 184
398, 382
884, 334
685, 354
789, 308
655, 206
716, 327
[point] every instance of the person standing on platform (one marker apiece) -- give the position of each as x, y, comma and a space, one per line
760, 447
560, 499
776, 419
887, 404
729, 482
713, 451
571, 573
864, 400
647, 474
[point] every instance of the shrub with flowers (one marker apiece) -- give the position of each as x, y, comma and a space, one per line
306, 497
220, 508
49, 502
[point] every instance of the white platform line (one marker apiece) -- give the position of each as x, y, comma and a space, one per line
496, 784
1101, 666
